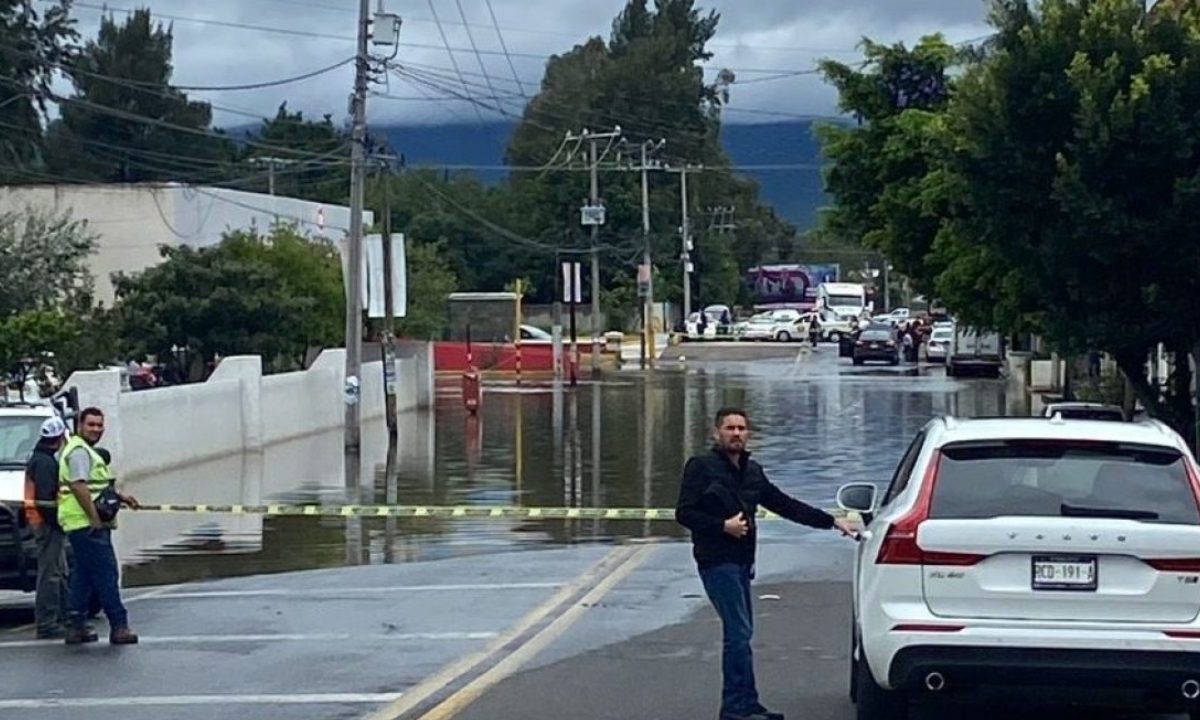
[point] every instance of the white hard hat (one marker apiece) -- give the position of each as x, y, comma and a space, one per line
54, 427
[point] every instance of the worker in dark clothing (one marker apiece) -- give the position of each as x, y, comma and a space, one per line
41, 498
718, 502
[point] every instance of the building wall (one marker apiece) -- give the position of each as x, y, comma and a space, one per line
133, 221
238, 411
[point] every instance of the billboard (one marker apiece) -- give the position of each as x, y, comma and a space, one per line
789, 285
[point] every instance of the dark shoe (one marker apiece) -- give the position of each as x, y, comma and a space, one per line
79, 636
748, 716
768, 714
57, 632
122, 636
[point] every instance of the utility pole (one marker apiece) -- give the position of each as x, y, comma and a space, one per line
594, 197
271, 163
686, 256
648, 344
592, 215
354, 254
389, 314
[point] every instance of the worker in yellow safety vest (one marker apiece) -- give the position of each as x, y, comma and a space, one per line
87, 508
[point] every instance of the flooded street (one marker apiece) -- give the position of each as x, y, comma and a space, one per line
617, 442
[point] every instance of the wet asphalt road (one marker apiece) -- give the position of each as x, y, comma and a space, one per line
512, 621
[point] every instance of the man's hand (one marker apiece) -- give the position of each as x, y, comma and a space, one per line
846, 528
737, 526
131, 502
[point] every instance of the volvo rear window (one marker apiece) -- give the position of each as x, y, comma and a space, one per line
1061, 479
876, 335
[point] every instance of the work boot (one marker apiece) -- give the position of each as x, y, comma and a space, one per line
57, 632
122, 636
80, 635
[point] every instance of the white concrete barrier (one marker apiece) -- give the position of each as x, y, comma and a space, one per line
238, 410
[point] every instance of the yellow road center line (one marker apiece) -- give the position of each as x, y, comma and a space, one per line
513, 662
427, 688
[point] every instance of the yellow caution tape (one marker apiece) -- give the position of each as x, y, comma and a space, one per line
441, 511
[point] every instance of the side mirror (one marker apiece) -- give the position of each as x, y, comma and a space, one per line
857, 497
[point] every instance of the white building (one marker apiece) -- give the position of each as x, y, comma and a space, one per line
132, 221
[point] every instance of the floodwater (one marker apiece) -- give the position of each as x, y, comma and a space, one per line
617, 442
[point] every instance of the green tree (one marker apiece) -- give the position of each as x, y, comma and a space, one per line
276, 296
1056, 192
430, 282
44, 261
124, 122
878, 172
311, 158
648, 79
32, 46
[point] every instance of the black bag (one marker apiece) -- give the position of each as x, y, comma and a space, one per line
108, 504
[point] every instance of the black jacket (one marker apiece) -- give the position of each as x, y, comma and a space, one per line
42, 472
714, 489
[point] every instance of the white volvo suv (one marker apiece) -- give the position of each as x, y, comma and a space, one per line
1029, 552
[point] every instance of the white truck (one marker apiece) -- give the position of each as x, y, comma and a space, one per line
975, 352
847, 300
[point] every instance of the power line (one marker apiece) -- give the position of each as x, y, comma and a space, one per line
266, 84
504, 48
781, 73
479, 58
453, 60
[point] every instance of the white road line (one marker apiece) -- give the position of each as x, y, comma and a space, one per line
322, 592
278, 637
313, 699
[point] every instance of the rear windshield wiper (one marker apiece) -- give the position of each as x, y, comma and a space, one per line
1117, 513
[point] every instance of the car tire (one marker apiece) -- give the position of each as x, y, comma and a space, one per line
783, 336
873, 702
835, 337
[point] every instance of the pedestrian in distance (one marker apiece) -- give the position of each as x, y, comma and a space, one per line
41, 496
87, 508
718, 502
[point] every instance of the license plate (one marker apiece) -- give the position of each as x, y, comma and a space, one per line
1064, 572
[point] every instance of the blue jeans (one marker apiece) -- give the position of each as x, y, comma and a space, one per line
95, 573
728, 588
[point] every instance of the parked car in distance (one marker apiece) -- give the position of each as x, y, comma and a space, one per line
877, 344
1084, 411
940, 340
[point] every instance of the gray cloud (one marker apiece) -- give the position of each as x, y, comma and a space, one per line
755, 38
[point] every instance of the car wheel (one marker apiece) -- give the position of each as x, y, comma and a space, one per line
873, 702
783, 336
835, 337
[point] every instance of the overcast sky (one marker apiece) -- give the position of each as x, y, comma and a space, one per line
757, 39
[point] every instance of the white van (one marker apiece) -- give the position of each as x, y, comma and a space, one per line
975, 351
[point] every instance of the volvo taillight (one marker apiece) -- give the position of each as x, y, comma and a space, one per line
1175, 565
900, 546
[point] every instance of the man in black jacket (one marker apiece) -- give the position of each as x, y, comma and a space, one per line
718, 502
